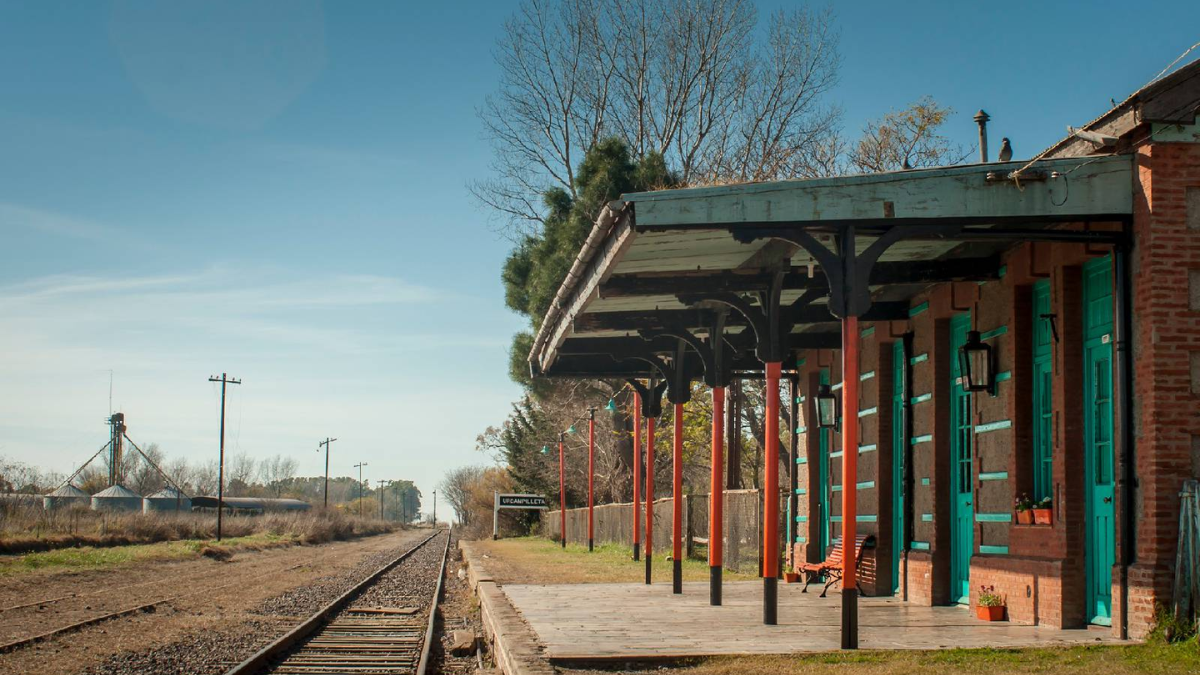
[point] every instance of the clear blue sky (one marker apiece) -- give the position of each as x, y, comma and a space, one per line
278, 191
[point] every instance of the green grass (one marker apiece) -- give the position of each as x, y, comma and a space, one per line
89, 558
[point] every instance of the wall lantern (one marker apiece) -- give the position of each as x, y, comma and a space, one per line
975, 360
827, 408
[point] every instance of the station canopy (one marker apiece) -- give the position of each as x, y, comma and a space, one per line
653, 261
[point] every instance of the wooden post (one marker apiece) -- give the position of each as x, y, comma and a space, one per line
770, 493
677, 500
716, 499
562, 492
649, 496
850, 340
637, 475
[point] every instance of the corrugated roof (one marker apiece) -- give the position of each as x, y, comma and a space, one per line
68, 490
117, 491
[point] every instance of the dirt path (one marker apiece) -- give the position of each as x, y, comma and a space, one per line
216, 596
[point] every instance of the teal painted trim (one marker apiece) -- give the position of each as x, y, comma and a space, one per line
926, 517
1003, 377
994, 475
917, 440
918, 309
801, 491
919, 546
920, 399
993, 426
802, 430
835, 519
801, 519
866, 376
924, 481
865, 485
993, 517
868, 331
919, 358
802, 460
835, 387
835, 488
995, 332
1002, 271
800, 399
834, 455
866, 448
993, 550
801, 362
857, 519
801, 540
868, 412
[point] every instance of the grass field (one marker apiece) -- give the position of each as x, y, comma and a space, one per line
537, 560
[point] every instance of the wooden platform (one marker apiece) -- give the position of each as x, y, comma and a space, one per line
596, 622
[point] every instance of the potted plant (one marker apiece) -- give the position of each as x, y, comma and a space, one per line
1024, 508
991, 605
790, 575
1041, 511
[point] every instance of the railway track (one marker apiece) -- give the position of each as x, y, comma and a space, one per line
377, 627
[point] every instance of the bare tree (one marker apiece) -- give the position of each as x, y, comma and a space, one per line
456, 487
906, 139
275, 472
690, 79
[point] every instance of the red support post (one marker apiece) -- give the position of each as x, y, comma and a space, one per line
649, 496
591, 477
716, 498
677, 500
562, 492
770, 552
850, 339
637, 475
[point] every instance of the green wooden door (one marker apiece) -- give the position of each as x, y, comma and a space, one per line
899, 363
962, 511
823, 486
1098, 435
1043, 392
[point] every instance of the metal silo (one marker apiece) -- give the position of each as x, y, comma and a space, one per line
117, 498
65, 497
166, 500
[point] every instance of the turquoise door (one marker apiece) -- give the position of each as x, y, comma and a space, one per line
962, 474
823, 487
1098, 435
899, 361
1043, 393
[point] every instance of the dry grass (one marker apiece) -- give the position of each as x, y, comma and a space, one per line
27, 529
534, 560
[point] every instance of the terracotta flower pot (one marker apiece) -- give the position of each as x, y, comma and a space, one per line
1025, 517
791, 577
1041, 516
990, 613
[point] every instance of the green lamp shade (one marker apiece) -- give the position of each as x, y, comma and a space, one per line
571, 429
545, 449
612, 406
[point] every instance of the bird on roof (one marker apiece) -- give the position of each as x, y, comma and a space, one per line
1005, 150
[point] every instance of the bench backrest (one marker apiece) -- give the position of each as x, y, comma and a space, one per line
860, 542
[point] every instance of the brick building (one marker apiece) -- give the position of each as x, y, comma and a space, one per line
1080, 270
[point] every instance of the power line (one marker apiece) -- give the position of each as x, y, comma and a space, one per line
224, 380
326, 443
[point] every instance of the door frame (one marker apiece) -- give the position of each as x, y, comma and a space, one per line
962, 539
1098, 339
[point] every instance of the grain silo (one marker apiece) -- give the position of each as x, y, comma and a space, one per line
166, 500
66, 497
117, 498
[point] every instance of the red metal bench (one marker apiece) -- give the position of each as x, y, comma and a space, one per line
831, 567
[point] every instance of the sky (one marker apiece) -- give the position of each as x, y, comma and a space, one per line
278, 191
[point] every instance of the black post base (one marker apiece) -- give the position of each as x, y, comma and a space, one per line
849, 618
714, 585
648, 561
770, 601
677, 577
564, 542
590, 545
637, 552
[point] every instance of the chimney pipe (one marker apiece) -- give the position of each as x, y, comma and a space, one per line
981, 118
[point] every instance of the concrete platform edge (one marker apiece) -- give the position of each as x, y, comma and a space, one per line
512, 641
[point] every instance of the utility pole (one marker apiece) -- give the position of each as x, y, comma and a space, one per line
359, 466
224, 380
435, 509
326, 443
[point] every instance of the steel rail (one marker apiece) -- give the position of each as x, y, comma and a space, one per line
261, 659
433, 607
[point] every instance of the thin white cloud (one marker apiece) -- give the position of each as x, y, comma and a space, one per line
14, 216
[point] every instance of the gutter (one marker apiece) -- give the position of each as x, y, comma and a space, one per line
609, 216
